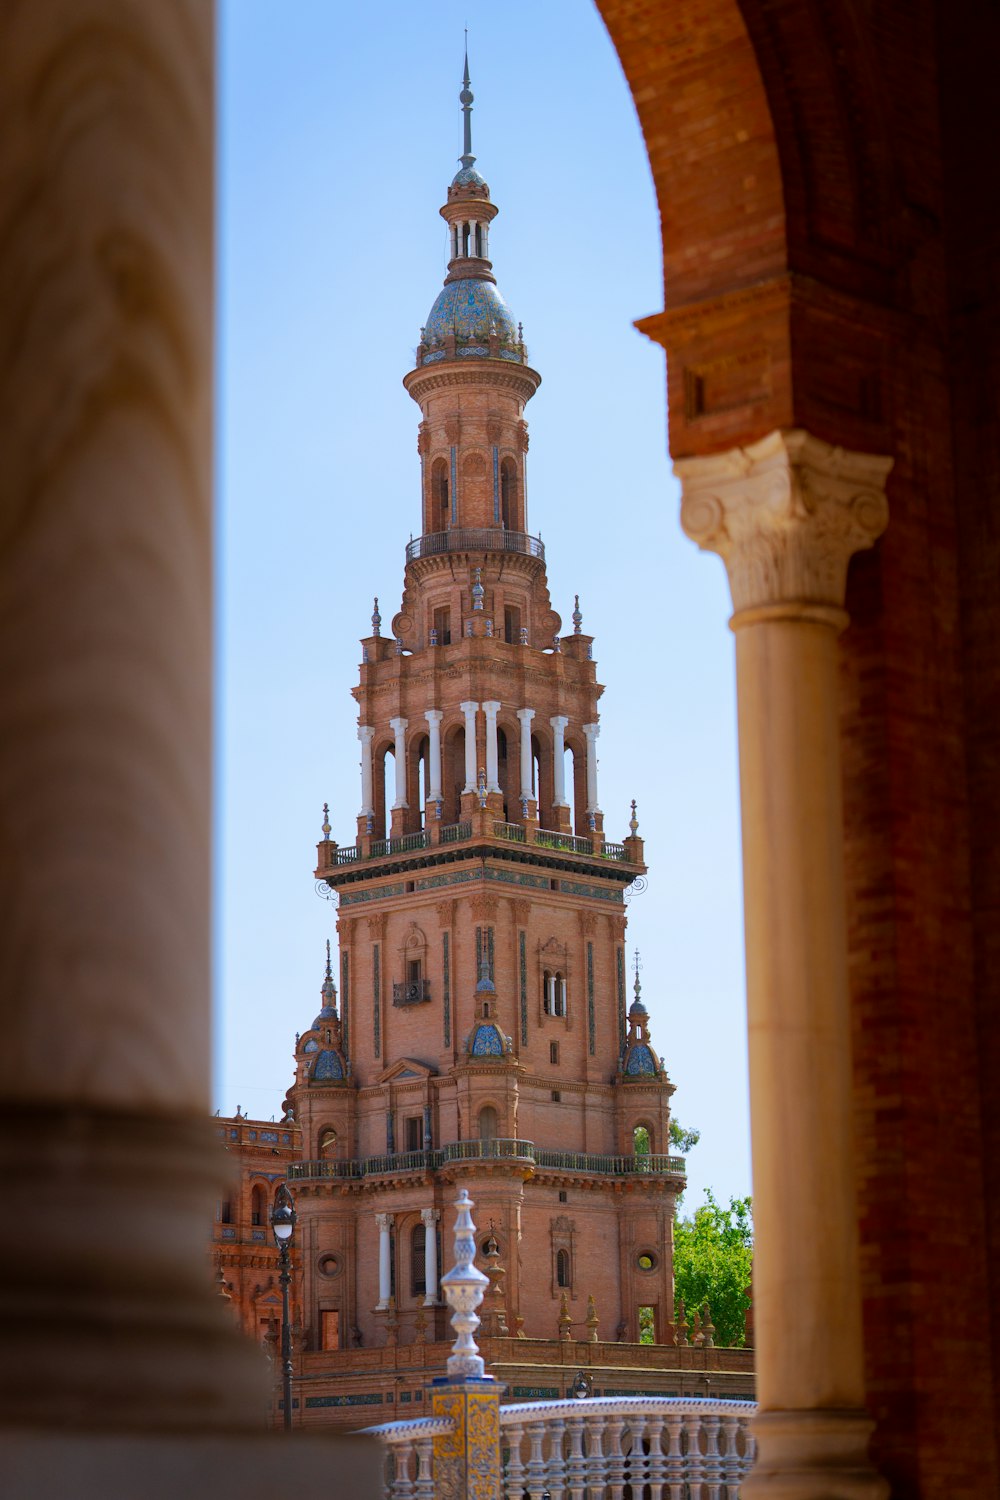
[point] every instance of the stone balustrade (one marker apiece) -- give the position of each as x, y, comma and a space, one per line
661, 1447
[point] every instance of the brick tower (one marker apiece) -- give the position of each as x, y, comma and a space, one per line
482, 1034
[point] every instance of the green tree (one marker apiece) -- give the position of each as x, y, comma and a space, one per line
713, 1257
681, 1139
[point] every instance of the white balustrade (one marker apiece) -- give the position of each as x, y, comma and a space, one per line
662, 1447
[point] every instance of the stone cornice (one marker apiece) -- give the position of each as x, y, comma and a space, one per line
499, 373
786, 515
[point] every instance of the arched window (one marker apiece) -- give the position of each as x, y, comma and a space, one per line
418, 1243
641, 1142
559, 995
327, 1144
547, 992
440, 498
569, 784
257, 1204
487, 1123
562, 1268
388, 792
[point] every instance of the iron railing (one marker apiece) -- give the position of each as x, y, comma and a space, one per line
503, 1149
549, 839
381, 847
454, 833
411, 992
475, 539
512, 832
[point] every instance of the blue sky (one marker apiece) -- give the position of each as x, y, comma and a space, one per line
339, 132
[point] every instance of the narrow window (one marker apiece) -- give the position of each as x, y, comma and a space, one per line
257, 1205
418, 1277
330, 1327
647, 1325
442, 625
553, 1052
508, 491
562, 1269
415, 1133
439, 494
511, 625
487, 1123
225, 1211
546, 991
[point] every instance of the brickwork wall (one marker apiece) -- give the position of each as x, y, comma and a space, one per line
807, 162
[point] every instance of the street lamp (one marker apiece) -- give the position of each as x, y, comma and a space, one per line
283, 1227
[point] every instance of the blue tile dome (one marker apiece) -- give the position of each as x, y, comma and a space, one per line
469, 177
468, 309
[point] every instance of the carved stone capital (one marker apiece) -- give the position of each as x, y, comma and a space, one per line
785, 515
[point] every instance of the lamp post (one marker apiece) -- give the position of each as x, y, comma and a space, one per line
283, 1227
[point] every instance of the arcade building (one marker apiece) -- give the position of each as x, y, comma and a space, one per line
483, 1034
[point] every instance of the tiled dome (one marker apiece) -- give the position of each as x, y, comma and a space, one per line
468, 309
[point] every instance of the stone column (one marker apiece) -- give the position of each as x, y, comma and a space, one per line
434, 717
526, 715
384, 1222
120, 1369
470, 710
786, 515
559, 760
491, 710
366, 734
398, 727
430, 1217
592, 731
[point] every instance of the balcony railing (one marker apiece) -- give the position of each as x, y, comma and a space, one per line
504, 1149
411, 992
549, 839
475, 539
602, 1445
488, 1151
512, 832
608, 1166
455, 833
408, 841
614, 851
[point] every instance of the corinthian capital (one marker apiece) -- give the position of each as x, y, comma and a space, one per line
785, 515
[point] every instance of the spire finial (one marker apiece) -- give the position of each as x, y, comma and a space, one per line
329, 970
376, 619
465, 99
577, 614
637, 962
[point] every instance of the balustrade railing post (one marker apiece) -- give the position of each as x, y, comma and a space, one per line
576, 1467
615, 1468
555, 1468
514, 1471
657, 1458
424, 1487
675, 1455
403, 1488
595, 1461
731, 1459
536, 1460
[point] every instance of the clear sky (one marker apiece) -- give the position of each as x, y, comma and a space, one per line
340, 130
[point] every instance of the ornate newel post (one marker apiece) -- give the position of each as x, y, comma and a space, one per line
466, 1460
786, 515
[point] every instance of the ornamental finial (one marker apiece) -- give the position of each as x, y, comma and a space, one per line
326, 821
633, 821
478, 592
329, 970
376, 619
463, 1288
577, 616
637, 965
465, 98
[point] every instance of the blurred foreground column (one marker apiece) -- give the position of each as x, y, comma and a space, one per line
119, 1371
786, 515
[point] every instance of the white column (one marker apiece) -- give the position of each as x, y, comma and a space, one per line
398, 727
492, 760
384, 1222
786, 514
434, 717
526, 715
592, 731
430, 1217
551, 997
559, 760
366, 734
470, 710
562, 997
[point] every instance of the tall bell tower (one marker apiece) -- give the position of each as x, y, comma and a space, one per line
482, 1034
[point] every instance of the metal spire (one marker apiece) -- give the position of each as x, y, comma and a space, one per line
465, 99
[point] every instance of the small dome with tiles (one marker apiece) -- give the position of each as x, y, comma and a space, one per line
470, 311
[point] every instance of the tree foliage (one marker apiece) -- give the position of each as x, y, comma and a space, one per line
682, 1139
713, 1257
